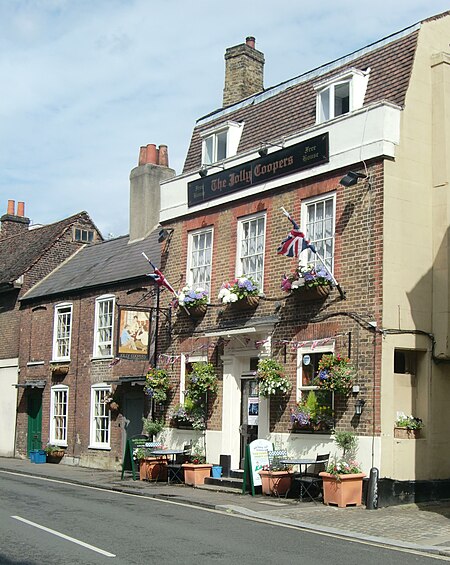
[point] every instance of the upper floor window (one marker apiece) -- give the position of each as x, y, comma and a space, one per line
103, 331
221, 142
251, 241
200, 259
58, 414
62, 331
341, 94
318, 221
85, 236
100, 417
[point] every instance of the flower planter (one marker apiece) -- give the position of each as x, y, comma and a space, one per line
246, 303
342, 490
152, 469
276, 483
308, 294
195, 474
55, 456
405, 433
198, 311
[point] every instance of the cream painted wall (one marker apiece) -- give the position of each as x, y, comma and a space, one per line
416, 264
8, 403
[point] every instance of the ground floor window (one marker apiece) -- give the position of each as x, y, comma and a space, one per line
58, 415
314, 410
100, 417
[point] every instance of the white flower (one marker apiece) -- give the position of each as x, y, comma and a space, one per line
233, 297
224, 293
199, 289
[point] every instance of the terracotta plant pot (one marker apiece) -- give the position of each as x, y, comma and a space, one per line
307, 294
276, 483
152, 469
195, 474
342, 490
404, 433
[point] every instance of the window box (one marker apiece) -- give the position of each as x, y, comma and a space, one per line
246, 303
406, 433
310, 294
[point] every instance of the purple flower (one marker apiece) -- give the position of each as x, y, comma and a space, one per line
323, 375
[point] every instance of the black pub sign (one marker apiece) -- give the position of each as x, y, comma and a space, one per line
303, 155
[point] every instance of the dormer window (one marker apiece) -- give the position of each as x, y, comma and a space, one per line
220, 143
341, 94
84, 236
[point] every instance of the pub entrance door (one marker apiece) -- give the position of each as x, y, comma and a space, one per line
249, 413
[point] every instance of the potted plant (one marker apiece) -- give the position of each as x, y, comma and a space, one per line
310, 416
152, 427
276, 478
150, 468
335, 373
271, 378
157, 384
308, 282
407, 427
197, 470
343, 479
243, 292
195, 300
54, 453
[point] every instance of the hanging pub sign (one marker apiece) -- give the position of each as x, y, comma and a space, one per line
303, 155
134, 335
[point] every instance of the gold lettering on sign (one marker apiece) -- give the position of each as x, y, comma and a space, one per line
218, 184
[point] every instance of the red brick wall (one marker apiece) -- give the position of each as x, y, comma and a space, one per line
358, 264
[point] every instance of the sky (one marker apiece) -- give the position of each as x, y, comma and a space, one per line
85, 83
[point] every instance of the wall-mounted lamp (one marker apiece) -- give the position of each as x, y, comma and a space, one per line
203, 172
351, 178
164, 234
359, 405
264, 149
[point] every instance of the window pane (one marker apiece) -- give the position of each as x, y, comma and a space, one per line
221, 146
252, 249
324, 108
209, 150
320, 230
200, 259
341, 99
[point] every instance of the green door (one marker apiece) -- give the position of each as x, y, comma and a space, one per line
34, 410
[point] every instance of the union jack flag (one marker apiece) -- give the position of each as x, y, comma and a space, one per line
159, 278
295, 242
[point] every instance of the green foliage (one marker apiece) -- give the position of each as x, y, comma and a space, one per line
50, 449
202, 380
157, 384
335, 373
408, 422
347, 441
271, 377
152, 427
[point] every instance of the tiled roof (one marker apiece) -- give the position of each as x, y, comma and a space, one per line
100, 265
19, 252
290, 108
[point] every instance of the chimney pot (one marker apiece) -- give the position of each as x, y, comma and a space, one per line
11, 206
250, 41
142, 155
151, 154
163, 156
21, 209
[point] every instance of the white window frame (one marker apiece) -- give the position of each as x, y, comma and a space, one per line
233, 132
301, 352
206, 284
239, 256
98, 343
56, 338
308, 256
57, 392
85, 235
357, 81
186, 358
99, 410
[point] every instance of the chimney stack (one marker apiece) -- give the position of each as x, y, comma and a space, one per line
244, 72
11, 223
145, 198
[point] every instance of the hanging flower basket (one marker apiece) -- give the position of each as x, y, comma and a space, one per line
198, 311
335, 373
271, 378
311, 293
194, 300
242, 292
246, 303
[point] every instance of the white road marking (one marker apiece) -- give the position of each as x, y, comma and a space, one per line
68, 538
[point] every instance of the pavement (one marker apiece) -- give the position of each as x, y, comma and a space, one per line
417, 527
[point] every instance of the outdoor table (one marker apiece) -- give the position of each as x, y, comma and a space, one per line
164, 455
302, 465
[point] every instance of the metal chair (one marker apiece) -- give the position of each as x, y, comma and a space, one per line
310, 482
175, 470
